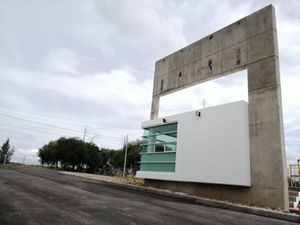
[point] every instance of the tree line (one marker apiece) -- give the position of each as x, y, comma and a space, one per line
76, 155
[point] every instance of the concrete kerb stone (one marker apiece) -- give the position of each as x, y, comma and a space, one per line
203, 201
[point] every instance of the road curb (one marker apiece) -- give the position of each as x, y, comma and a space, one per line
203, 201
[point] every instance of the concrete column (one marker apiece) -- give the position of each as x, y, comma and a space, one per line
154, 107
267, 147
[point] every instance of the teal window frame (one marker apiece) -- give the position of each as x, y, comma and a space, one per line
153, 144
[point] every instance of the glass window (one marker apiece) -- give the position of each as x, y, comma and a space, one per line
160, 138
159, 148
170, 147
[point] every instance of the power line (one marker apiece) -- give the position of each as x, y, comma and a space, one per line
33, 129
80, 132
85, 123
43, 124
54, 126
51, 117
60, 134
46, 116
16, 141
57, 135
19, 132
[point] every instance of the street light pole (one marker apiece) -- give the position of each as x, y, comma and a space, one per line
125, 157
24, 157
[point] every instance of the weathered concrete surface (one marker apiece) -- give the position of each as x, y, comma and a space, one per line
250, 43
30, 196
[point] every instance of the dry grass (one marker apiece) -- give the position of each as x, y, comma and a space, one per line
130, 179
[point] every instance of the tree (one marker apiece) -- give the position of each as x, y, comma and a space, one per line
93, 157
48, 154
133, 156
117, 158
77, 155
6, 152
71, 153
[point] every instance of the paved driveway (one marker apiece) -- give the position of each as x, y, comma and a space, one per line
37, 197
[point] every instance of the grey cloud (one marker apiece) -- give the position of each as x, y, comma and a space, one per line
70, 59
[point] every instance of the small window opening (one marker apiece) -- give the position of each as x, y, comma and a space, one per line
238, 56
162, 84
210, 65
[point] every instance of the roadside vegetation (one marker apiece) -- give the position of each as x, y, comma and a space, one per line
6, 152
73, 154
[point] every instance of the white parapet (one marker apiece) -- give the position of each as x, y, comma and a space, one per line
211, 148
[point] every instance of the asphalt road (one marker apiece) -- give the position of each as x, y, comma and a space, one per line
37, 197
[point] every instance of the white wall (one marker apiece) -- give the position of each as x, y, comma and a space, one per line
212, 148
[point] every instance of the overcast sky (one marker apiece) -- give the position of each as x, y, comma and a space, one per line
67, 66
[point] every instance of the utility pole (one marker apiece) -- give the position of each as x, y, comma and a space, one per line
203, 103
92, 140
125, 157
84, 134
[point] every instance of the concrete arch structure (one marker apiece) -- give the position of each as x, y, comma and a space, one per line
251, 44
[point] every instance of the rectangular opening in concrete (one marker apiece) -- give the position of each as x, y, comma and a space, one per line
230, 88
